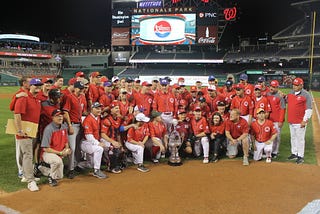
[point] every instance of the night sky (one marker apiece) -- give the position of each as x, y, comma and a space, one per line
90, 20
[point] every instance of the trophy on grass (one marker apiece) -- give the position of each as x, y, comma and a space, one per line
174, 145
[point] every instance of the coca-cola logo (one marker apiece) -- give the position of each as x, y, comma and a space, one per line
162, 29
207, 40
230, 13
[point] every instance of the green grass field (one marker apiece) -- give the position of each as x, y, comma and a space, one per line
9, 181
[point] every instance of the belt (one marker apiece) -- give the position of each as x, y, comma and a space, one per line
167, 113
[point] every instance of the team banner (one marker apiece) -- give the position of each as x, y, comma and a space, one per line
121, 18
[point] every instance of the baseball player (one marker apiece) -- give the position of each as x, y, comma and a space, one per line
264, 89
200, 129
136, 138
237, 130
143, 99
263, 134
91, 144
299, 112
248, 88
217, 136
54, 146
277, 114
260, 101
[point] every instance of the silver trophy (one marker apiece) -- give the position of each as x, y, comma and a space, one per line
174, 145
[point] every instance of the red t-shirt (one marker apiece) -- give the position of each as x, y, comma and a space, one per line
91, 125
218, 129
14, 98
29, 108
262, 132
238, 128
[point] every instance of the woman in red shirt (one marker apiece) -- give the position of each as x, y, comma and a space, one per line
218, 137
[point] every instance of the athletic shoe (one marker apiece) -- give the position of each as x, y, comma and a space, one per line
116, 170
155, 160
292, 157
274, 155
215, 159
32, 186
79, 169
268, 160
71, 174
97, 173
142, 168
24, 180
245, 161
205, 160
20, 175
163, 156
36, 171
52, 182
299, 160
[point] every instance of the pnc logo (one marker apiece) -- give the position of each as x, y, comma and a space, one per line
162, 29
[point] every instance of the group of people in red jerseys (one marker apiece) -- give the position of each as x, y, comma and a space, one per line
107, 120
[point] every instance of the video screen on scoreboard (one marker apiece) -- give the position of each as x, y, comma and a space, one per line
163, 29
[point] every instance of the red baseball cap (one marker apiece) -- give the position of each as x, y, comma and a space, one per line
79, 74
193, 88
258, 87
197, 108
114, 103
95, 74
72, 81
47, 79
104, 79
297, 81
180, 79
176, 86
183, 102
145, 83
274, 83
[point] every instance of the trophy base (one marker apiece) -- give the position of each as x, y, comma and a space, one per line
174, 164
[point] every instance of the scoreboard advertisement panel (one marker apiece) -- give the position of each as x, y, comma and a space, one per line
165, 26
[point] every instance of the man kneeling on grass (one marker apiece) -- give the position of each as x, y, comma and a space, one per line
54, 146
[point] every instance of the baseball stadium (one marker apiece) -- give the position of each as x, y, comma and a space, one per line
169, 113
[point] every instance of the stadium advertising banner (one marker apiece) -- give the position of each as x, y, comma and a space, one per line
207, 16
163, 29
121, 18
120, 36
207, 35
120, 56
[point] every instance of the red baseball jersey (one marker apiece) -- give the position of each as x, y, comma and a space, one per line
93, 92
45, 115
14, 98
262, 132
41, 96
263, 103
157, 129
138, 134
278, 107
238, 128
183, 128
110, 126
106, 99
164, 102
143, 101
91, 125
297, 105
73, 107
249, 89
244, 104
199, 126
213, 101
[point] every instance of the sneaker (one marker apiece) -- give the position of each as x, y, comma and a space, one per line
97, 173
142, 168
205, 160
299, 160
274, 155
163, 156
52, 182
215, 159
24, 180
79, 169
20, 175
268, 160
116, 170
245, 161
32, 186
71, 174
292, 157
36, 171
155, 160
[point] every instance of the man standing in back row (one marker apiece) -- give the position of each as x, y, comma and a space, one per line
299, 112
